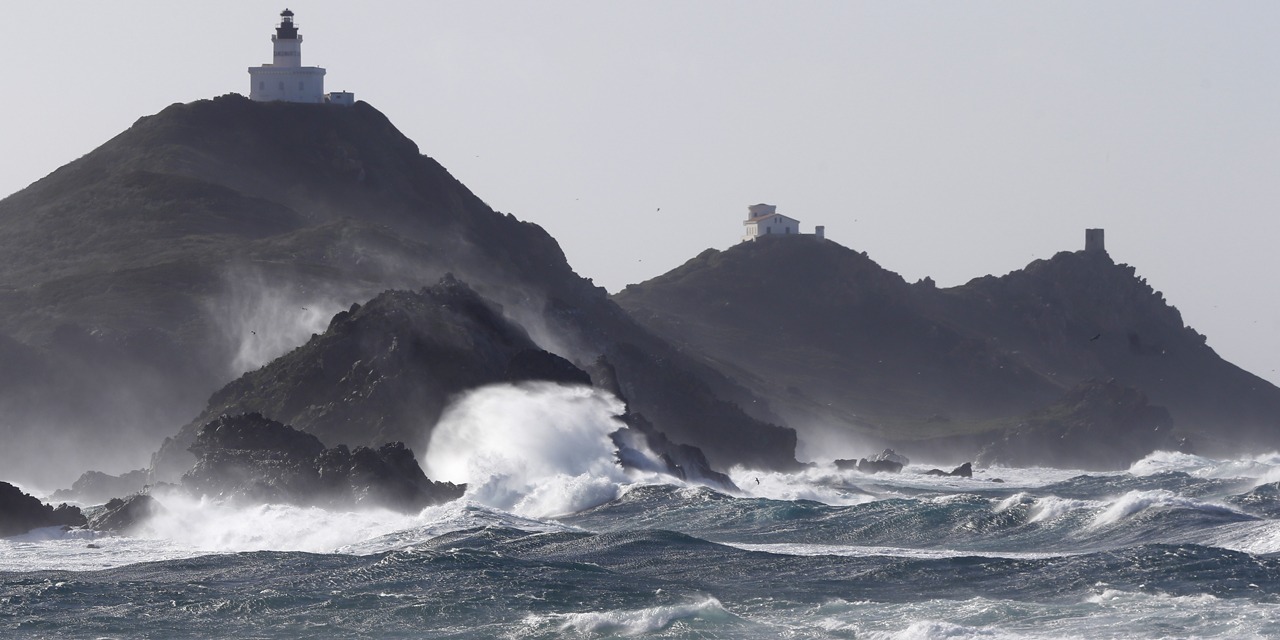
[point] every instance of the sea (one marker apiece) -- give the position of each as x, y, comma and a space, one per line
554, 540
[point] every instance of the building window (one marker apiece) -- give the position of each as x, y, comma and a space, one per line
299, 86
262, 84
282, 85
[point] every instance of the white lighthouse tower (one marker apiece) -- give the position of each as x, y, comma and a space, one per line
285, 79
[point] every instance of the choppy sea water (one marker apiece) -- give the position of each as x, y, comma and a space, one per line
1178, 546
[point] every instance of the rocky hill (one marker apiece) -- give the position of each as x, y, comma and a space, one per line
837, 343
212, 237
385, 371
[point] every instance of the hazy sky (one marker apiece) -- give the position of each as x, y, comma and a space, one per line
946, 139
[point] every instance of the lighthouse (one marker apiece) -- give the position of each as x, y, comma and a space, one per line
285, 79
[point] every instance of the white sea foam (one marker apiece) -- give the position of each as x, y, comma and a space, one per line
1256, 537
819, 483
1106, 613
630, 622
1053, 507
864, 551
1264, 467
1012, 501
1137, 501
189, 528
1116, 596
931, 629
1046, 508
536, 449
915, 477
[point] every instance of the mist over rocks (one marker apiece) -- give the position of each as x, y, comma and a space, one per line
124, 515
1097, 425
251, 459
683, 461
97, 487
20, 513
382, 371
386, 371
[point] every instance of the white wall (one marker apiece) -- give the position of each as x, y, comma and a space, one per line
773, 226
286, 52
290, 84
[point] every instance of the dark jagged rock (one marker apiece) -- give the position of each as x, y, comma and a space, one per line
253, 432
383, 371
252, 458
683, 461
125, 515
892, 456
95, 487
20, 513
1097, 426
878, 466
388, 476
886, 461
536, 364
963, 471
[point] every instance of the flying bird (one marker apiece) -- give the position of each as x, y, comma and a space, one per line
1095, 337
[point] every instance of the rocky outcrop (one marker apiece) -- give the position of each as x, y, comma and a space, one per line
887, 461
20, 513
1096, 426
125, 515
878, 466
889, 455
963, 471
536, 364
95, 487
382, 371
250, 458
683, 461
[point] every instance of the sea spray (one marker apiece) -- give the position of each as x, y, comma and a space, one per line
263, 321
1135, 502
537, 449
820, 483
1264, 467
213, 526
632, 622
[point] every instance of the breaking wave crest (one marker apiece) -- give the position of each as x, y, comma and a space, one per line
536, 449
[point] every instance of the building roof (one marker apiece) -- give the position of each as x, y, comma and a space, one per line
771, 215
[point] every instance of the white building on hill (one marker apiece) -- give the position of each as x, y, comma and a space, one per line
285, 79
763, 220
